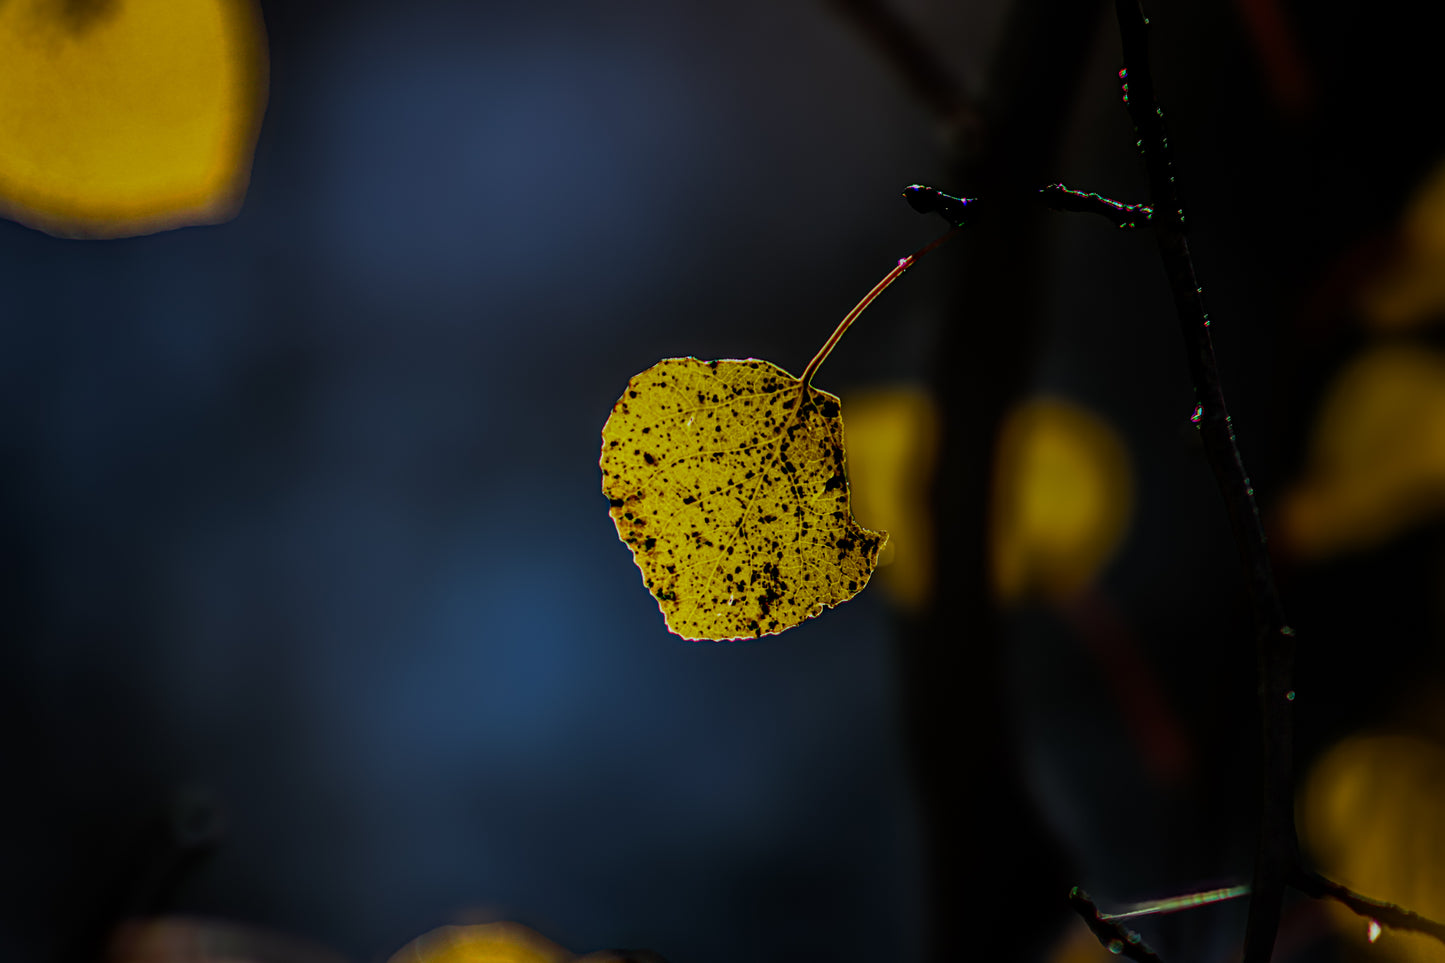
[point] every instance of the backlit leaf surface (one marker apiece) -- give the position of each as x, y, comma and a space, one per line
728, 481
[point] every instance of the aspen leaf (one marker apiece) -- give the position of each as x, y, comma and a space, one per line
728, 481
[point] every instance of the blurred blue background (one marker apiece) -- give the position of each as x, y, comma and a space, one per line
303, 510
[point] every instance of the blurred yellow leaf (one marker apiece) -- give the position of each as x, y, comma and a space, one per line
1078, 944
892, 446
1377, 455
1372, 815
122, 117
484, 943
1412, 289
189, 939
728, 481
1062, 498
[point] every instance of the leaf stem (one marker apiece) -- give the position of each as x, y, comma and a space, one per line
898, 269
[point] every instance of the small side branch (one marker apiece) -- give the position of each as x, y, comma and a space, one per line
1115, 936
1129, 217
1386, 914
957, 211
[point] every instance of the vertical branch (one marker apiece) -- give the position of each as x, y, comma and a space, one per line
1276, 851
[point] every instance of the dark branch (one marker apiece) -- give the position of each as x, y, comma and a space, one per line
1056, 197
1276, 853
1115, 936
930, 200
915, 64
1386, 914
1125, 216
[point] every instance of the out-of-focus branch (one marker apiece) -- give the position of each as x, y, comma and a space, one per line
918, 66
1115, 936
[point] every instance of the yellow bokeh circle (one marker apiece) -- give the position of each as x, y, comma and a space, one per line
122, 117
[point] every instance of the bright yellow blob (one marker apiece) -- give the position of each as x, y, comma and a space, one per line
1062, 497
1370, 817
892, 447
484, 943
123, 117
1377, 456
1411, 290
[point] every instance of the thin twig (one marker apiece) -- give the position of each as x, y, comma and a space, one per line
1277, 849
1113, 935
1125, 216
1386, 914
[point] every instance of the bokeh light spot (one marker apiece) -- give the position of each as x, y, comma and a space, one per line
125, 117
1377, 456
1063, 492
483, 943
1410, 291
892, 439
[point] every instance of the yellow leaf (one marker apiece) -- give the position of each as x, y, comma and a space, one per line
892, 444
484, 943
122, 117
1377, 456
1062, 494
1371, 817
1411, 290
728, 481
